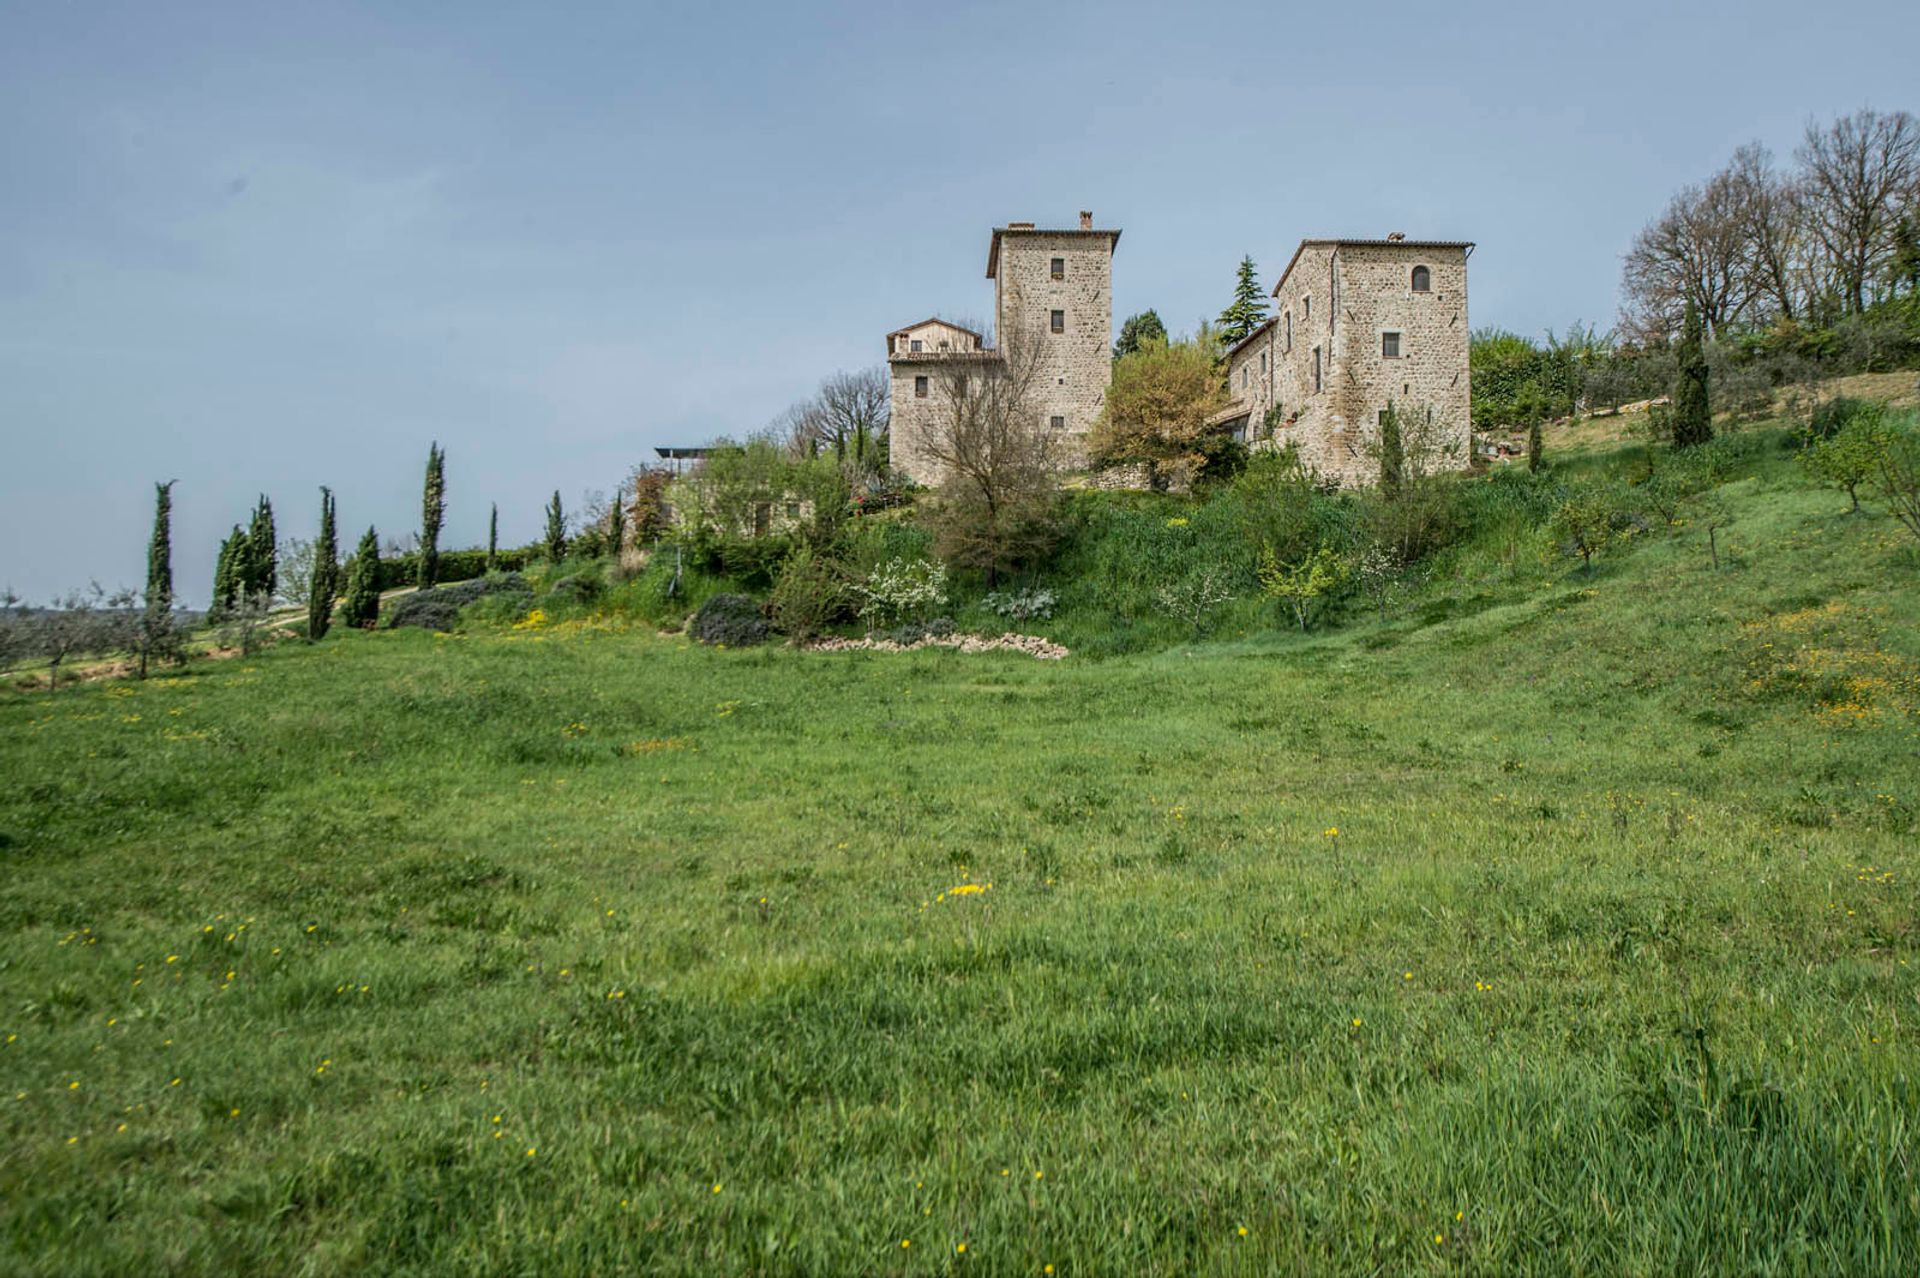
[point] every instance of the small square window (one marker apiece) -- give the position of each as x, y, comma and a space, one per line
1057, 321
1059, 268
1390, 346
916, 345
919, 388
1057, 422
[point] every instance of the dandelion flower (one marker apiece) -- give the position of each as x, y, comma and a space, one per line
1357, 1022
905, 1243
1243, 1231
960, 1250
530, 1151
716, 1187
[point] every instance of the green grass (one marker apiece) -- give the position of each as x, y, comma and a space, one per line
580, 950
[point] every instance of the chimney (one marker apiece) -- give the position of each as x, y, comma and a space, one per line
1396, 236
1086, 220
1019, 226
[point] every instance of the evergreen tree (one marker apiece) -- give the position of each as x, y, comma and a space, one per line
433, 514
326, 571
160, 548
1248, 310
1138, 331
1536, 446
493, 538
262, 559
616, 524
360, 606
1692, 409
556, 530
226, 582
1393, 454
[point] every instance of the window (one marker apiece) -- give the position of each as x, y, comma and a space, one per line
1306, 308
919, 388
1389, 346
1059, 269
793, 510
1422, 280
1316, 370
1057, 422
1289, 332
1263, 363
1057, 321
915, 345
946, 346
1246, 373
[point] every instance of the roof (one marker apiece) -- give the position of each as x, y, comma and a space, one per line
1341, 243
1264, 326
935, 319
684, 454
942, 357
993, 250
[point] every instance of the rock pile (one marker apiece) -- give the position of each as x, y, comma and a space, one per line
1032, 645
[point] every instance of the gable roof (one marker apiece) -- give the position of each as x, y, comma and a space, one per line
1341, 243
1265, 324
993, 250
933, 319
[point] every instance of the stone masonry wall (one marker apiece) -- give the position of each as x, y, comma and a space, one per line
1076, 365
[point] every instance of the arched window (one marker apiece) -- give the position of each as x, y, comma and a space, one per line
1422, 280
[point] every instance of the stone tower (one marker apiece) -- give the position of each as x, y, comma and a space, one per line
1053, 297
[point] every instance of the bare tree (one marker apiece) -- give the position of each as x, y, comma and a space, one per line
1695, 251
996, 458
1862, 173
72, 626
1773, 223
847, 416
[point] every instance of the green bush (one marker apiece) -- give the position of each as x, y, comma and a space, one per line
734, 620
439, 608
812, 593
455, 565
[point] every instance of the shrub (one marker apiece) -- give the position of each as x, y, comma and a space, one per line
902, 590
736, 621
1031, 604
454, 565
1834, 416
913, 632
1586, 522
580, 587
439, 608
811, 594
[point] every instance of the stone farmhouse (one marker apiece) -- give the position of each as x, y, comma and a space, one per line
1357, 324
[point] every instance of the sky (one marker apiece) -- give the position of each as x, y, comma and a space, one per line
261, 248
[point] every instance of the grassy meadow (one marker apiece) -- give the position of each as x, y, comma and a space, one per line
1565, 923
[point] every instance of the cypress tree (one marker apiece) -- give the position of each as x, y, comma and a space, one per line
262, 558
556, 530
493, 538
1536, 446
326, 571
1692, 408
160, 548
1248, 310
1393, 454
361, 605
433, 514
617, 524
224, 586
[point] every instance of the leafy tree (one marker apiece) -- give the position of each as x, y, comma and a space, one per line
1584, 522
556, 543
261, 561
1305, 586
433, 515
1137, 331
1248, 310
1692, 410
324, 580
1393, 454
1157, 405
1848, 458
1195, 595
1896, 475
649, 506
160, 547
493, 537
360, 607
74, 624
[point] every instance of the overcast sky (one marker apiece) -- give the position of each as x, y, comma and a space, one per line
262, 247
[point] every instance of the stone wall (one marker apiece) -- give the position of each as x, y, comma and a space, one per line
915, 421
1076, 365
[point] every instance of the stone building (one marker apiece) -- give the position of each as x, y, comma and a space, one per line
1053, 297
1356, 325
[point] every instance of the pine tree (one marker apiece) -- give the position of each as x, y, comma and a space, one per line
1248, 310
262, 557
360, 606
1393, 454
160, 548
617, 524
1138, 331
493, 538
433, 514
556, 530
326, 571
1692, 408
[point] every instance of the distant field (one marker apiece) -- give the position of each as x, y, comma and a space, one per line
1566, 925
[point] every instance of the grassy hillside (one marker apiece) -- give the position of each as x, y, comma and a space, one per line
1566, 923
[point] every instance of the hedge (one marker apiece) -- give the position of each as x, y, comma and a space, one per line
455, 565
